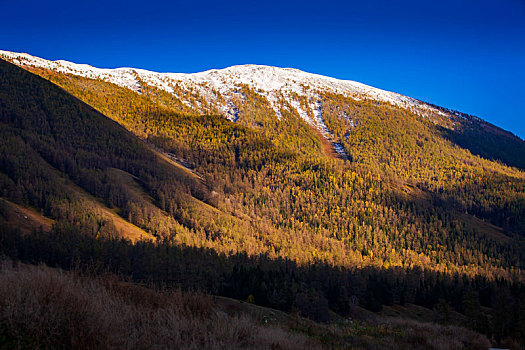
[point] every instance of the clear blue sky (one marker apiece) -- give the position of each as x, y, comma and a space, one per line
466, 55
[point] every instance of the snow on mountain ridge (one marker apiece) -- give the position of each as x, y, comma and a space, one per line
261, 77
274, 83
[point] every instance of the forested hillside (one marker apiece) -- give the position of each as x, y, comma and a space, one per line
261, 209
407, 187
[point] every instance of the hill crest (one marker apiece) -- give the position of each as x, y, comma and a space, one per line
269, 81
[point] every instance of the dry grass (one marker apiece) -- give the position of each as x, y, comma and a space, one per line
25, 219
375, 332
425, 335
47, 308
43, 308
396, 333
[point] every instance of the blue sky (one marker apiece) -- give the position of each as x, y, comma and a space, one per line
466, 55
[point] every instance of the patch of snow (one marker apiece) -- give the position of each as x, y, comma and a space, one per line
318, 118
340, 150
233, 112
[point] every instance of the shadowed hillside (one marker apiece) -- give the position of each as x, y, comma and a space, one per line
61, 157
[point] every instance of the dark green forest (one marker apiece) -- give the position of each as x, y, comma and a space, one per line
258, 209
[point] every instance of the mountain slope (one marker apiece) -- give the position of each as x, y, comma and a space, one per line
58, 155
403, 171
279, 92
213, 84
260, 212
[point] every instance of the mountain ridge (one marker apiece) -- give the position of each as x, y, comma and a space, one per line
276, 93
263, 78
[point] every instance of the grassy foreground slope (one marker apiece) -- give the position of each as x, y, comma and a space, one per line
47, 308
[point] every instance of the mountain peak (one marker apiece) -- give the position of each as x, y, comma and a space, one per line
219, 88
262, 77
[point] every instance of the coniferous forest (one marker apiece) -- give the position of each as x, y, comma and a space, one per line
98, 178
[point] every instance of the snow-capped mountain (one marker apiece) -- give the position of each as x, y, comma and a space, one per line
220, 89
